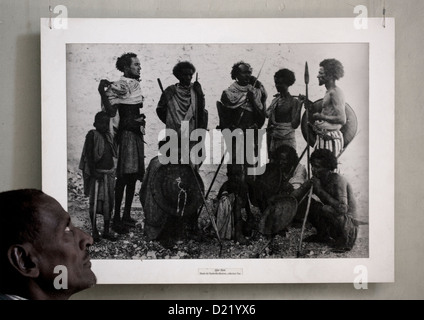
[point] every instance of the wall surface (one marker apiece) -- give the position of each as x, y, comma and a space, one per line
20, 126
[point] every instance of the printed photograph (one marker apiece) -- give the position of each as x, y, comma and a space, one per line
218, 150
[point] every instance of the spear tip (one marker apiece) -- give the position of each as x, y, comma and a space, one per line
306, 73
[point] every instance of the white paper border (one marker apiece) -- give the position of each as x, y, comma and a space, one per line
379, 265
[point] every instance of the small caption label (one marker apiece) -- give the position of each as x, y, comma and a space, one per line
221, 271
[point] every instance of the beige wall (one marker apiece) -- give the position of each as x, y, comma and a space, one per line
20, 126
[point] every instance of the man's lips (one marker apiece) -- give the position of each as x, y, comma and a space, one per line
87, 261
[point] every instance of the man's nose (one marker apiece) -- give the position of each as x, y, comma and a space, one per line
85, 239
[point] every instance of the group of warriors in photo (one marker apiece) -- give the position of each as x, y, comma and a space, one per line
173, 195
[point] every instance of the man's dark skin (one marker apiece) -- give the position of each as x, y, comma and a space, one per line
241, 119
102, 126
134, 121
28, 265
336, 208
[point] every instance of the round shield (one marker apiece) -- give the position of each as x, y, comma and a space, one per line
278, 215
175, 189
348, 130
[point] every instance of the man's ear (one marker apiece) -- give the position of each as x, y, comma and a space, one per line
21, 257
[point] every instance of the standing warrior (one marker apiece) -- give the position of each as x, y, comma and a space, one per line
124, 96
179, 103
183, 101
332, 117
283, 113
242, 106
98, 167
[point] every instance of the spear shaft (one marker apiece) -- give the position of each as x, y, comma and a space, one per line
238, 123
254, 84
201, 193
309, 203
307, 118
308, 156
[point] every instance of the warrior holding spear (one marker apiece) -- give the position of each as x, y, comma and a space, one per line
334, 215
332, 116
183, 101
283, 113
171, 194
242, 106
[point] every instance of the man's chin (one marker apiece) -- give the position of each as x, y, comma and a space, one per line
90, 277
135, 77
92, 280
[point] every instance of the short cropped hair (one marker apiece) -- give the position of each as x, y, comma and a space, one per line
18, 224
235, 69
287, 76
333, 68
327, 158
125, 61
290, 151
100, 116
176, 71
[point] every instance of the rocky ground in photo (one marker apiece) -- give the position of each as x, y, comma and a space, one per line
135, 246
87, 64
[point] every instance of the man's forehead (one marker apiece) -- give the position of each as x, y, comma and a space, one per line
245, 68
317, 162
187, 70
51, 212
135, 60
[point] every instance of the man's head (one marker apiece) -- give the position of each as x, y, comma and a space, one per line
242, 73
42, 254
286, 156
129, 64
101, 121
184, 71
283, 79
330, 70
322, 162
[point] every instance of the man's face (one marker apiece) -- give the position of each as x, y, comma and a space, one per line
102, 124
283, 159
318, 168
280, 85
244, 75
133, 71
61, 243
322, 77
185, 76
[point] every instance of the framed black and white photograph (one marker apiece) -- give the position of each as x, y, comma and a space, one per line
110, 88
